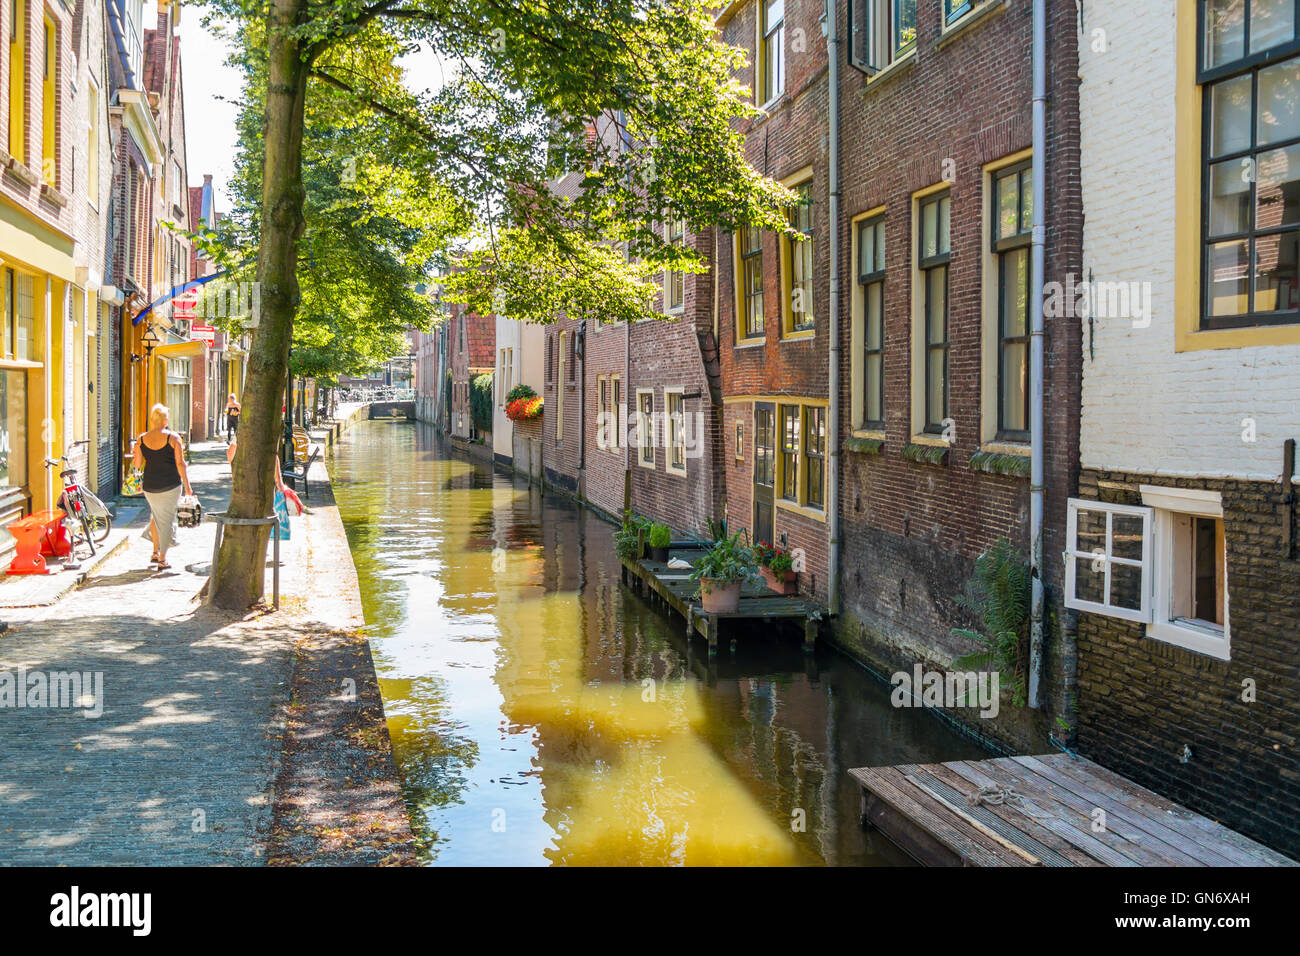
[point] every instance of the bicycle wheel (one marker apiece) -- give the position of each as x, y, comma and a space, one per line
100, 526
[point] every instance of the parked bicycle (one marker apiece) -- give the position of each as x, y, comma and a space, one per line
88, 518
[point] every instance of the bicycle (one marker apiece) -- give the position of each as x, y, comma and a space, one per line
82, 509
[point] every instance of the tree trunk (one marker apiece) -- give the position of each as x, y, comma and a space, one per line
239, 578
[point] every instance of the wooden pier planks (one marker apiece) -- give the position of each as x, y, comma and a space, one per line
757, 601
1049, 819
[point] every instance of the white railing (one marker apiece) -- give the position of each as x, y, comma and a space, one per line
386, 393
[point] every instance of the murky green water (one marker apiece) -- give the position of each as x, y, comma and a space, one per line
542, 713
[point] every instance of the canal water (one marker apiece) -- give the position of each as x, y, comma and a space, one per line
541, 713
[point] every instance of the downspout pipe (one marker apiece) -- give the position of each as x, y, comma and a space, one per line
831, 30
1036, 488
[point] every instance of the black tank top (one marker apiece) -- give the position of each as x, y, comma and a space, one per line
160, 472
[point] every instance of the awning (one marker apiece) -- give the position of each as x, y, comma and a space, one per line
179, 350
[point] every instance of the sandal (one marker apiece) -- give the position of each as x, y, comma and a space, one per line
154, 559
163, 565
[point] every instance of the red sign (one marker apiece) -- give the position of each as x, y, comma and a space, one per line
183, 305
203, 333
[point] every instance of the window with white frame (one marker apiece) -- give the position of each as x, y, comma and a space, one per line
1189, 580
1108, 552
881, 32
645, 430
1162, 564
675, 406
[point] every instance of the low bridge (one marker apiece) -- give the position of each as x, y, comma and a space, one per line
390, 410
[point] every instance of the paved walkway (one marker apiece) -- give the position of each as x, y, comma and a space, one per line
179, 767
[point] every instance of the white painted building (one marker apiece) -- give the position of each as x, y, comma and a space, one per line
1182, 552
519, 361
1163, 393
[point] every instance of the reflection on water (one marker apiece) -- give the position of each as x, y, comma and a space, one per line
541, 713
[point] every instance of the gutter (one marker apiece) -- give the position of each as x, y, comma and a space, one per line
1036, 489
830, 28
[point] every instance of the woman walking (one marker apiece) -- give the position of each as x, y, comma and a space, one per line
232, 417
159, 455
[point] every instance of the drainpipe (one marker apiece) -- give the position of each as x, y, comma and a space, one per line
1036, 489
830, 28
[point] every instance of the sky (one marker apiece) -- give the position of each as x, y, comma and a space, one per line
210, 120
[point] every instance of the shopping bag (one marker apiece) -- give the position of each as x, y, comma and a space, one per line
189, 512
295, 503
131, 478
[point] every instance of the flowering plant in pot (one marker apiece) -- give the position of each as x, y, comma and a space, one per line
657, 539
721, 573
523, 404
777, 568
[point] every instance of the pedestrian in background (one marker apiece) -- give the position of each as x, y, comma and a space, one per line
232, 417
161, 457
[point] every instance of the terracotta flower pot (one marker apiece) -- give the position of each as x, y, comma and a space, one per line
782, 582
720, 597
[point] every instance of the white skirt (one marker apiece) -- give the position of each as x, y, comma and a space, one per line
162, 508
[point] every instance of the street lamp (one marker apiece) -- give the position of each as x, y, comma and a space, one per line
150, 340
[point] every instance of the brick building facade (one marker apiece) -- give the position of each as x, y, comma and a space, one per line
772, 298
473, 341
1184, 560
934, 384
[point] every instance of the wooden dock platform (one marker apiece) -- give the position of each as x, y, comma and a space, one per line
1053, 810
677, 590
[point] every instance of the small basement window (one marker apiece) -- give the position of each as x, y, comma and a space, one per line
1163, 564
1190, 579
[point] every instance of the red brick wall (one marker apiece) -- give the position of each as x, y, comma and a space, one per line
667, 353
470, 353
605, 355
912, 531
563, 396
790, 138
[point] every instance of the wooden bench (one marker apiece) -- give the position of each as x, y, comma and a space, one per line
40, 533
293, 475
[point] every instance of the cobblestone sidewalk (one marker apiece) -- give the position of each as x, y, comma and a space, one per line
178, 768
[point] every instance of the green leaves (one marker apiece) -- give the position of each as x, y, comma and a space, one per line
533, 178
999, 593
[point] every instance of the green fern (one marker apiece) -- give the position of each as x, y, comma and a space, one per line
999, 593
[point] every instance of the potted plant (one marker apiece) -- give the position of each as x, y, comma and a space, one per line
629, 539
777, 568
721, 573
658, 538
523, 404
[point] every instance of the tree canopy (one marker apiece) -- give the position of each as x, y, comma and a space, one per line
355, 186
401, 184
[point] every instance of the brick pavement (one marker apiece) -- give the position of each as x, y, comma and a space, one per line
179, 769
